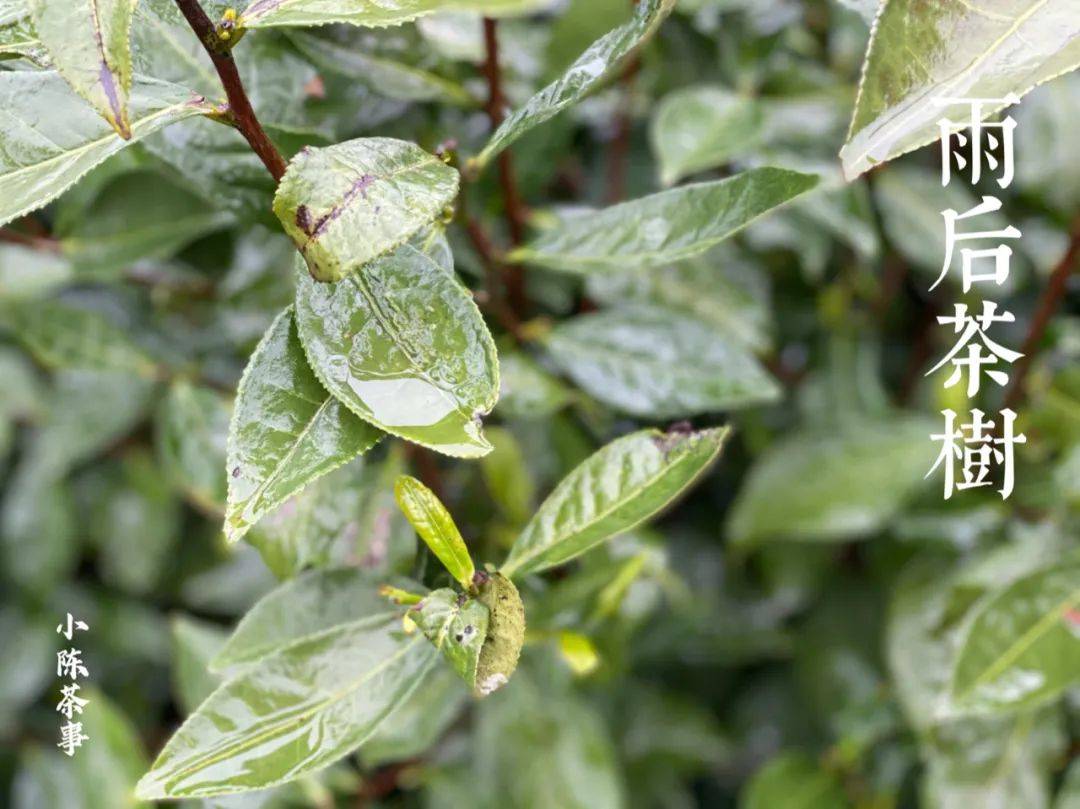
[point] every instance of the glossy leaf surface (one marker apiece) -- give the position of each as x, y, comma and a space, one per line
598, 62
54, 138
286, 430
652, 362
1022, 647
436, 527
620, 486
298, 711
951, 49
89, 42
347, 204
665, 227
309, 604
403, 346
367, 13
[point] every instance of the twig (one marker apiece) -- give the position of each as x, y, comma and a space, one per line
1048, 304
241, 114
512, 277
44, 243
493, 271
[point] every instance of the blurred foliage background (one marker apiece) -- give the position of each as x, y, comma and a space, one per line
779, 639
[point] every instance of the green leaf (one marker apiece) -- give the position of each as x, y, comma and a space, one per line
52, 139
368, 13
63, 336
508, 477
309, 604
832, 486
286, 430
599, 61
620, 486
387, 77
89, 42
418, 724
528, 391
296, 712
194, 645
436, 527
191, 429
1022, 646
665, 227
383, 188
793, 781
27, 273
18, 39
702, 127
403, 346
655, 363
954, 49
457, 625
112, 758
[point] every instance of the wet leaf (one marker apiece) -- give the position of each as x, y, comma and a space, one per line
403, 346
89, 43
597, 63
652, 362
703, 127
384, 188
436, 527
1022, 646
620, 486
286, 430
308, 605
298, 711
832, 486
953, 49
456, 625
368, 13
53, 138
665, 227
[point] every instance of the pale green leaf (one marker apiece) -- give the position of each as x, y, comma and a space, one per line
656, 363
620, 486
457, 626
952, 49
833, 486
703, 127
1022, 646
599, 61
27, 273
51, 138
18, 39
191, 429
112, 758
89, 42
403, 346
665, 227
286, 430
436, 527
793, 781
383, 188
528, 391
369, 13
298, 711
309, 604
508, 476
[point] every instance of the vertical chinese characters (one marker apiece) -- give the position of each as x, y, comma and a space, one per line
973, 448
70, 666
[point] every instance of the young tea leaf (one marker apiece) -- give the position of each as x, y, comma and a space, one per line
382, 189
620, 486
436, 527
286, 429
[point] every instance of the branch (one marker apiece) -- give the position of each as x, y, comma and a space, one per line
1048, 304
241, 114
512, 277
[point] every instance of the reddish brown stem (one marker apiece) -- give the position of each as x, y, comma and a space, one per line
619, 150
241, 113
1048, 304
513, 279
